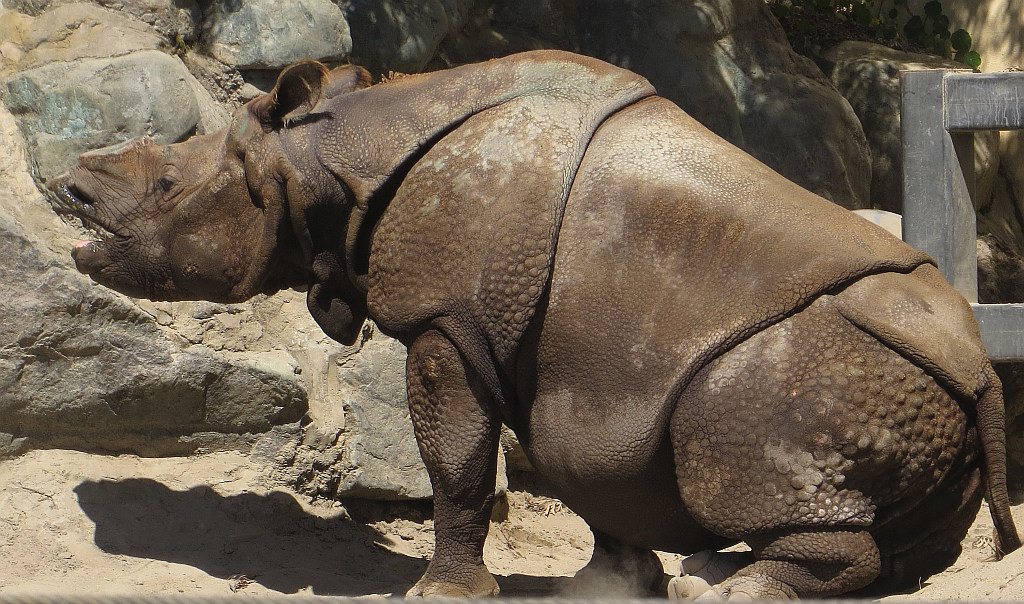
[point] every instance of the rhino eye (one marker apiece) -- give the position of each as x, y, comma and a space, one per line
166, 183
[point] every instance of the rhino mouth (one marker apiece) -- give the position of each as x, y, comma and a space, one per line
73, 199
91, 255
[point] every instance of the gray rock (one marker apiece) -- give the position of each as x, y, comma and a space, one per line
66, 108
726, 62
176, 20
361, 441
71, 32
867, 75
401, 35
267, 34
1005, 218
385, 459
68, 32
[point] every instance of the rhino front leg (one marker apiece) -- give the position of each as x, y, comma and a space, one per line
458, 434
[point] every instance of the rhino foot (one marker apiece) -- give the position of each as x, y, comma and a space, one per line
687, 587
750, 587
470, 582
705, 569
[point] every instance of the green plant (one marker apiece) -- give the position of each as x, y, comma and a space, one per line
180, 47
816, 23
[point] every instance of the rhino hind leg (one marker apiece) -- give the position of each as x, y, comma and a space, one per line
929, 538
705, 569
814, 563
802, 439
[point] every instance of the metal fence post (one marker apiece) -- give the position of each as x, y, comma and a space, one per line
938, 213
941, 111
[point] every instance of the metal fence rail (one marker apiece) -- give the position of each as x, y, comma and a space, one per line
941, 111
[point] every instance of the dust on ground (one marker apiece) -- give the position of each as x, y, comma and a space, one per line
73, 522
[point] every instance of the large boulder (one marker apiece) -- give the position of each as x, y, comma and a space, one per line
176, 20
361, 442
80, 77
867, 74
401, 35
69, 108
1005, 219
268, 34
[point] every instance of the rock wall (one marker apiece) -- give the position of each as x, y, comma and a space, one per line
996, 27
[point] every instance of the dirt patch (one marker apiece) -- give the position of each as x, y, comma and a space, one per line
77, 523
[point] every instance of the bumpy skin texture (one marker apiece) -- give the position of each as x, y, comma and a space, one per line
692, 350
458, 440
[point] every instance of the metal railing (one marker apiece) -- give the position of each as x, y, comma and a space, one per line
941, 111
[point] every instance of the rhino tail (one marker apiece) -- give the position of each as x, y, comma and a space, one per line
992, 432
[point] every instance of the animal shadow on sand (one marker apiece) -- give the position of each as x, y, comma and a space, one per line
269, 539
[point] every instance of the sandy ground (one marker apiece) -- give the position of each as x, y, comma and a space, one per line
77, 523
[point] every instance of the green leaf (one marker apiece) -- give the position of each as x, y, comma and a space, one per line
961, 40
933, 8
972, 59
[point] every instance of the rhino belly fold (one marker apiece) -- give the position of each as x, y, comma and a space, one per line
615, 472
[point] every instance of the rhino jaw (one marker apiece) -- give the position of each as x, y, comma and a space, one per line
89, 256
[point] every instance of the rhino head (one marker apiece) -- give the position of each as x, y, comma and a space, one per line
207, 218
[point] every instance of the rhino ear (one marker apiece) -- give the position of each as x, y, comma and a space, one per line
297, 91
344, 79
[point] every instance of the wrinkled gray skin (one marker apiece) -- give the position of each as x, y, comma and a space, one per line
692, 350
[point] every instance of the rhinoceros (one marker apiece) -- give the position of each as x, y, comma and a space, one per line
692, 350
